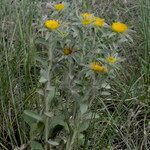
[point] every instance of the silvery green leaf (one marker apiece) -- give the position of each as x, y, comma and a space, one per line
96, 116
61, 58
59, 120
75, 32
106, 86
83, 108
47, 35
22, 147
105, 93
81, 139
31, 117
88, 116
53, 143
123, 39
49, 5
88, 73
42, 80
129, 37
51, 93
91, 115
49, 114
112, 34
44, 76
40, 91
83, 126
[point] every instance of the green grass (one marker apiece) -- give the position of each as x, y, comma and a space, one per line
124, 115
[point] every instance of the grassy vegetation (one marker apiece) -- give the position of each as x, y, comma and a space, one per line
122, 113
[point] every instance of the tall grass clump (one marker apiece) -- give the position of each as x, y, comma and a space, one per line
18, 70
145, 59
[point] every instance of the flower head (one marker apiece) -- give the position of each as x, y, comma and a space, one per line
119, 27
86, 15
86, 21
111, 59
98, 22
67, 51
97, 67
59, 6
52, 24
87, 18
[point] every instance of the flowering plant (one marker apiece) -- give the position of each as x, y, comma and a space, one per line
79, 58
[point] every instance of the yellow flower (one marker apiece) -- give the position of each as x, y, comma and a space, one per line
111, 59
98, 22
67, 51
97, 67
87, 18
86, 21
119, 27
52, 24
86, 15
59, 6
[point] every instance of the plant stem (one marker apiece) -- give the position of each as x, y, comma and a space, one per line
46, 100
71, 141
